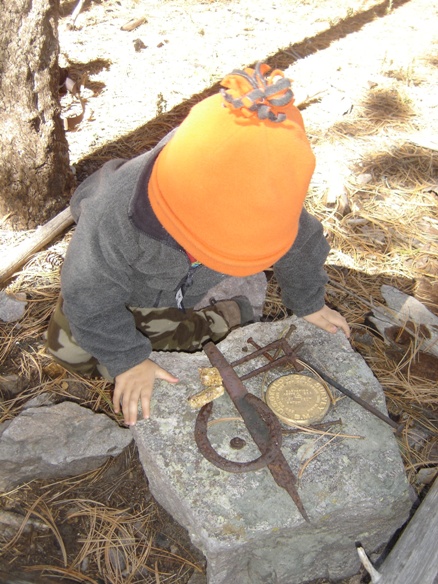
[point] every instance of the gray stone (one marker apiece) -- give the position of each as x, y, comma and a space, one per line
364, 178
43, 399
11, 384
253, 287
12, 306
197, 578
248, 528
57, 441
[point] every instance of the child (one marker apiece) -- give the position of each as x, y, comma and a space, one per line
222, 195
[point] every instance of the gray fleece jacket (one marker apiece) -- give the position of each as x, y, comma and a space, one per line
120, 256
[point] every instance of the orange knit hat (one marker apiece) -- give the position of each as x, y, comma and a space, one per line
230, 184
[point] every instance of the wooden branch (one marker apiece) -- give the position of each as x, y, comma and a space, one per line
75, 13
376, 577
16, 256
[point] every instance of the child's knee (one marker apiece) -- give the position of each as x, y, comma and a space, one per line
63, 348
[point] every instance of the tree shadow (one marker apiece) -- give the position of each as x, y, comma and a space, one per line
380, 109
148, 135
350, 25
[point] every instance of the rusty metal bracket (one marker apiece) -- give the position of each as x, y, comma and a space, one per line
261, 423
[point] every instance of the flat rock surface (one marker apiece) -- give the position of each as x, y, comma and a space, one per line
56, 441
12, 306
353, 488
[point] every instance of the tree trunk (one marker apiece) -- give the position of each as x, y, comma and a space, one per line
35, 176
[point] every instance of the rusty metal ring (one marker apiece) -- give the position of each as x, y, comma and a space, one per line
270, 448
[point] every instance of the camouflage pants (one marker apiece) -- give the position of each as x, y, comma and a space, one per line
168, 329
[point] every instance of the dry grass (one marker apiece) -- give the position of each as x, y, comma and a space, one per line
382, 108
102, 524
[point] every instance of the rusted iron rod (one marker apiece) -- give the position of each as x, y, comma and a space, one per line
356, 398
259, 353
265, 353
280, 361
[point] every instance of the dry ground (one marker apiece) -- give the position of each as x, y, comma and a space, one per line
366, 76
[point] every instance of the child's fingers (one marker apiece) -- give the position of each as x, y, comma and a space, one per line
136, 385
126, 398
338, 320
117, 395
329, 320
130, 410
165, 375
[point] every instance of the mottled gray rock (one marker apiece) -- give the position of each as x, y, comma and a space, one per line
43, 399
198, 578
253, 287
12, 306
249, 528
57, 441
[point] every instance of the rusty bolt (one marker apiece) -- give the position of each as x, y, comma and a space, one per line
237, 443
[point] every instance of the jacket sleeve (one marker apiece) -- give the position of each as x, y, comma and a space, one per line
97, 277
96, 287
300, 272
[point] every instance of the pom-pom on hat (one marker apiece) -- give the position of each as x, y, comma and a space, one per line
230, 184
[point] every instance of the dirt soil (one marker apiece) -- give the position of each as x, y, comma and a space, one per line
344, 58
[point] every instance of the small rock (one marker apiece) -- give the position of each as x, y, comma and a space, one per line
404, 313
363, 179
426, 476
139, 45
55, 442
43, 399
12, 306
11, 384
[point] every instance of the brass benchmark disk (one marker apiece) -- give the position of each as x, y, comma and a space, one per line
298, 399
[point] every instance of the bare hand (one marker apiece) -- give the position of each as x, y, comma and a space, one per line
329, 320
136, 384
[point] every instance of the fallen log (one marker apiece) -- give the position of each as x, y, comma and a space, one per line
414, 558
16, 256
